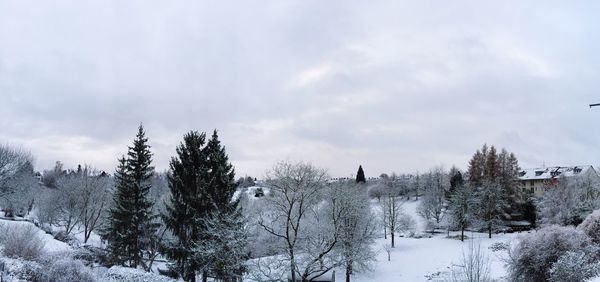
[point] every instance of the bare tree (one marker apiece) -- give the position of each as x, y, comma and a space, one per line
94, 197
392, 209
81, 199
356, 227
67, 203
433, 203
296, 190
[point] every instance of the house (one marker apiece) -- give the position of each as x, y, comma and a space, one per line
536, 181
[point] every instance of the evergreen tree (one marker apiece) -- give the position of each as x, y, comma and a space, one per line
188, 204
476, 165
202, 184
221, 187
132, 221
456, 180
117, 232
360, 175
491, 169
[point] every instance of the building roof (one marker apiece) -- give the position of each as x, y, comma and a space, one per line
553, 172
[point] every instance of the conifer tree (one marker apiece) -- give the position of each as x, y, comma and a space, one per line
456, 180
187, 204
201, 214
360, 175
132, 220
221, 187
117, 234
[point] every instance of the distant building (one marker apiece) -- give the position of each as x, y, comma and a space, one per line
537, 180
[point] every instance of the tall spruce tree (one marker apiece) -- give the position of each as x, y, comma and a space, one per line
117, 233
188, 203
132, 221
360, 175
225, 219
201, 214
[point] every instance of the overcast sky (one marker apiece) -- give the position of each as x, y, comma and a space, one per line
392, 85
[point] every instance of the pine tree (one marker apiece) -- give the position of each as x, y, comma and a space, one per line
360, 175
187, 205
132, 220
202, 184
456, 180
221, 187
491, 168
117, 233
476, 165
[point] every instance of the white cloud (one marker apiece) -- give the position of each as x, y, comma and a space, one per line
392, 85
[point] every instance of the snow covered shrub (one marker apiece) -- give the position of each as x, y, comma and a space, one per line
573, 266
126, 274
20, 270
21, 241
67, 270
591, 226
534, 255
407, 225
474, 265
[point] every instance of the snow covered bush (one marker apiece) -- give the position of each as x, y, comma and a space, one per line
535, 254
573, 266
66, 270
407, 225
20, 270
21, 241
127, 274
591, 226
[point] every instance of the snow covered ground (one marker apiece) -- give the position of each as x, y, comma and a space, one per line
428, 259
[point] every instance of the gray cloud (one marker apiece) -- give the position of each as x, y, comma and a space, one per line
391, 85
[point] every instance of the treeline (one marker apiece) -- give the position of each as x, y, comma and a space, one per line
485, 197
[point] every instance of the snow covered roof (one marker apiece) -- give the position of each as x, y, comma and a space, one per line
554, 171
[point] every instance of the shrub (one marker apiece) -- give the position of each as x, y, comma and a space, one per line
407, 225
573, 266
20, 270
534, 255
66, 270
591, 226
21, 241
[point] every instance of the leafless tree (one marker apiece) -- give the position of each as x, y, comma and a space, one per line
392, 210
296, 190
356, 227
433, 202
81, 198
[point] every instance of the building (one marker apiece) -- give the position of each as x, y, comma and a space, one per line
537, 180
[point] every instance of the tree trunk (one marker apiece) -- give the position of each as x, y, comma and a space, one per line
490, 231
384, 231
462, 234
348, 271
392, 239
292, 267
